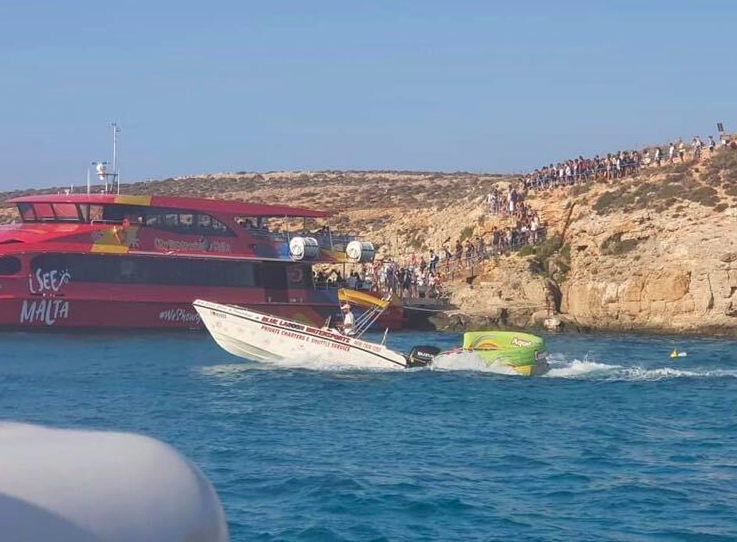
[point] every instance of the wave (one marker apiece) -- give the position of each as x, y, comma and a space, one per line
468, 361
585, 369
560, 368
302, 362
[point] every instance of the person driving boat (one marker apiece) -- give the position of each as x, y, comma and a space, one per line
348, 327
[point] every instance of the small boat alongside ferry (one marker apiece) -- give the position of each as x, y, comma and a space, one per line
258, 336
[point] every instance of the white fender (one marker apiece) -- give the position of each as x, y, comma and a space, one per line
95, 486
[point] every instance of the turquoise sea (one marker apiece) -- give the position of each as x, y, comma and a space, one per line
617, 442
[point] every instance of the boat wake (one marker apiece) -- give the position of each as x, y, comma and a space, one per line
560, 367
468, 361
302, 362
585, 369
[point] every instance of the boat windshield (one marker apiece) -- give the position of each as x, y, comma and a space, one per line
182, 221
50, 212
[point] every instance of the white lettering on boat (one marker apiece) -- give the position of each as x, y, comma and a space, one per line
516, 341
179, 315
46, 311
201, 245
48, 282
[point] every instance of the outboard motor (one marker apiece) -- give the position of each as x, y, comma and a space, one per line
421, 356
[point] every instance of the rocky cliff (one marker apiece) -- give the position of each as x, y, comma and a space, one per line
653, 253
656, 253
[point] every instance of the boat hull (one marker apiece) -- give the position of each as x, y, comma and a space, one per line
264, 337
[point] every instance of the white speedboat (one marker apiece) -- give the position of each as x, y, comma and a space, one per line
262, 337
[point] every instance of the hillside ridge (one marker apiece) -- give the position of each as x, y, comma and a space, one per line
656, 251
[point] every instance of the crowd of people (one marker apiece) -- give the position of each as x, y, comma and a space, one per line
414, 279
423, 276
616, 165
527, 228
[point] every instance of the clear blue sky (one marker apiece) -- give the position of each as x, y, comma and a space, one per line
385, 84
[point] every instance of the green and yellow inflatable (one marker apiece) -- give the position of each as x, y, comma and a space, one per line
523, 352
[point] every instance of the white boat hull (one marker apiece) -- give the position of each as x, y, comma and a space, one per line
261, 337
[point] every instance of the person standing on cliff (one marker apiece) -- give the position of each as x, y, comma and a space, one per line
671, 152
434, 259
469, 252
696, 144
681, 150
712, 145
480, 248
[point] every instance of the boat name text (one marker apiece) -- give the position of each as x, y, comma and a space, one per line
46, 311
307, 329
48, 282
179, 315
201, 245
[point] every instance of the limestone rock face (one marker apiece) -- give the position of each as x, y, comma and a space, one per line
506, 293
678, 274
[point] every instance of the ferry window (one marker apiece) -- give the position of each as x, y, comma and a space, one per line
44, 211
204, 222
66, 211
113, 213
26, 212
134, 214
9, 265
186, 223
148, 270
220, 227
95, 213
207, 225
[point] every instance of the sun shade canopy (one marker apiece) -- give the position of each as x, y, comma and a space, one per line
360, 299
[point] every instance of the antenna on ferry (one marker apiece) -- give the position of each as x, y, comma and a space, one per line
116, 131
88, 181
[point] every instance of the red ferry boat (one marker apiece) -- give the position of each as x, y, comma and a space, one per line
121, 261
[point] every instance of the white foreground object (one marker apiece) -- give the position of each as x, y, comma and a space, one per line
91, 486
261, 337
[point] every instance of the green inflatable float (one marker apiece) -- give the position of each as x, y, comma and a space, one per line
523, 352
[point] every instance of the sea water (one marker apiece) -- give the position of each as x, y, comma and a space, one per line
617, 442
